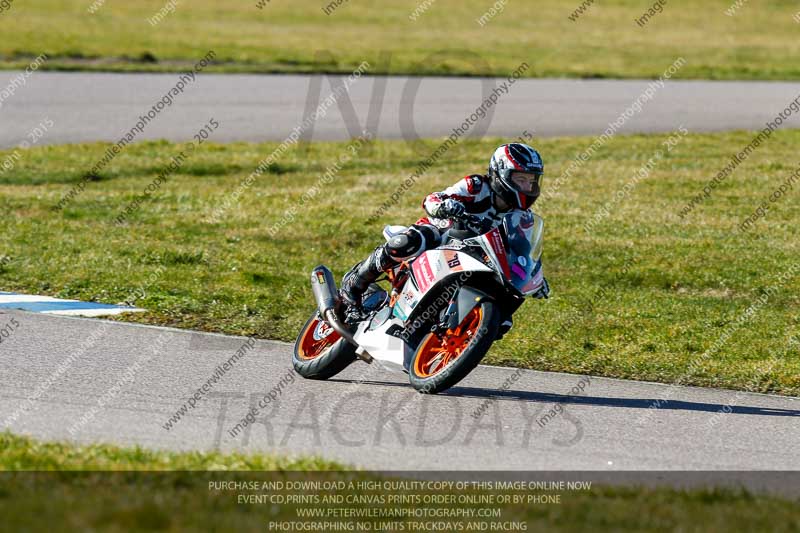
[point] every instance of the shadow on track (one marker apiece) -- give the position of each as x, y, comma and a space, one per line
630, 403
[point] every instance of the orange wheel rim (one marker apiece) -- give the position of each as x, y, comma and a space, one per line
316, 338
438, 351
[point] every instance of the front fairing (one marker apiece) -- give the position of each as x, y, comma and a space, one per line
513, 250
523, 235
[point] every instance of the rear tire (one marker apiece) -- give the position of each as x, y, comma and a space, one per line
319, 352
442, 360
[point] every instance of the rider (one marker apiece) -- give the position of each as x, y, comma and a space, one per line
513, 182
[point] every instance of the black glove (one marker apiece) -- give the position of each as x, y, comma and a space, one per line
544, 290
450, 209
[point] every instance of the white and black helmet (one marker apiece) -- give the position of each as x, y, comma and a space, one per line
515, 171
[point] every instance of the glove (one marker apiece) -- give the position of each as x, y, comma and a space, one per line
544, 290
450, 209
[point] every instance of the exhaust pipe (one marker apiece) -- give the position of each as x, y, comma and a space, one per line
327, 297
324, 288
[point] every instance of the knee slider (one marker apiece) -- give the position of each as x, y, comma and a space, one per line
406, 245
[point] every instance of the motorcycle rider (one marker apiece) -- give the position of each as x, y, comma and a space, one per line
513, 182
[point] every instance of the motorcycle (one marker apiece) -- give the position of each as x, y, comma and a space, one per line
443, 309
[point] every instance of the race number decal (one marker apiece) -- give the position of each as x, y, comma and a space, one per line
453, 262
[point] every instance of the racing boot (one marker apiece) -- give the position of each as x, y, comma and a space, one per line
358, 280
504, 328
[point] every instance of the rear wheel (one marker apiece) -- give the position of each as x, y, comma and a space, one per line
444, 359
320, 352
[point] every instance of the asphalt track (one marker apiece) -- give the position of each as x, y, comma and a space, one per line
57, 371
102, 106
127, 380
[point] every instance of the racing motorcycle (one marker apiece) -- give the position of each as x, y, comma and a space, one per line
441, 312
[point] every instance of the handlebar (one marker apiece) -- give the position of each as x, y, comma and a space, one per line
467, 225
469, 218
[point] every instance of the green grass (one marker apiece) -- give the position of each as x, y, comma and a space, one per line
760, 42
662, 289
161, 491
19, 453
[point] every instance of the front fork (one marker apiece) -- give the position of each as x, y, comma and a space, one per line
397, 278
465, 300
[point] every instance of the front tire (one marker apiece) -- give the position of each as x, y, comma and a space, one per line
442, 360
319, 352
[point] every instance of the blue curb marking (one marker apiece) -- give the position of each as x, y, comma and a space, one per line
46, 304
41, 307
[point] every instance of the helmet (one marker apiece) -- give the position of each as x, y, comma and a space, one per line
515, 173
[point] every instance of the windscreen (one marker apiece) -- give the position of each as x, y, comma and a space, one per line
523, 230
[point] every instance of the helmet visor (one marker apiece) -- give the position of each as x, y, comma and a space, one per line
526, 182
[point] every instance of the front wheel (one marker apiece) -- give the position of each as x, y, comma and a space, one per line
320, 352
444, 359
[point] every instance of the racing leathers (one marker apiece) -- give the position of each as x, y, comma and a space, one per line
471, 195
